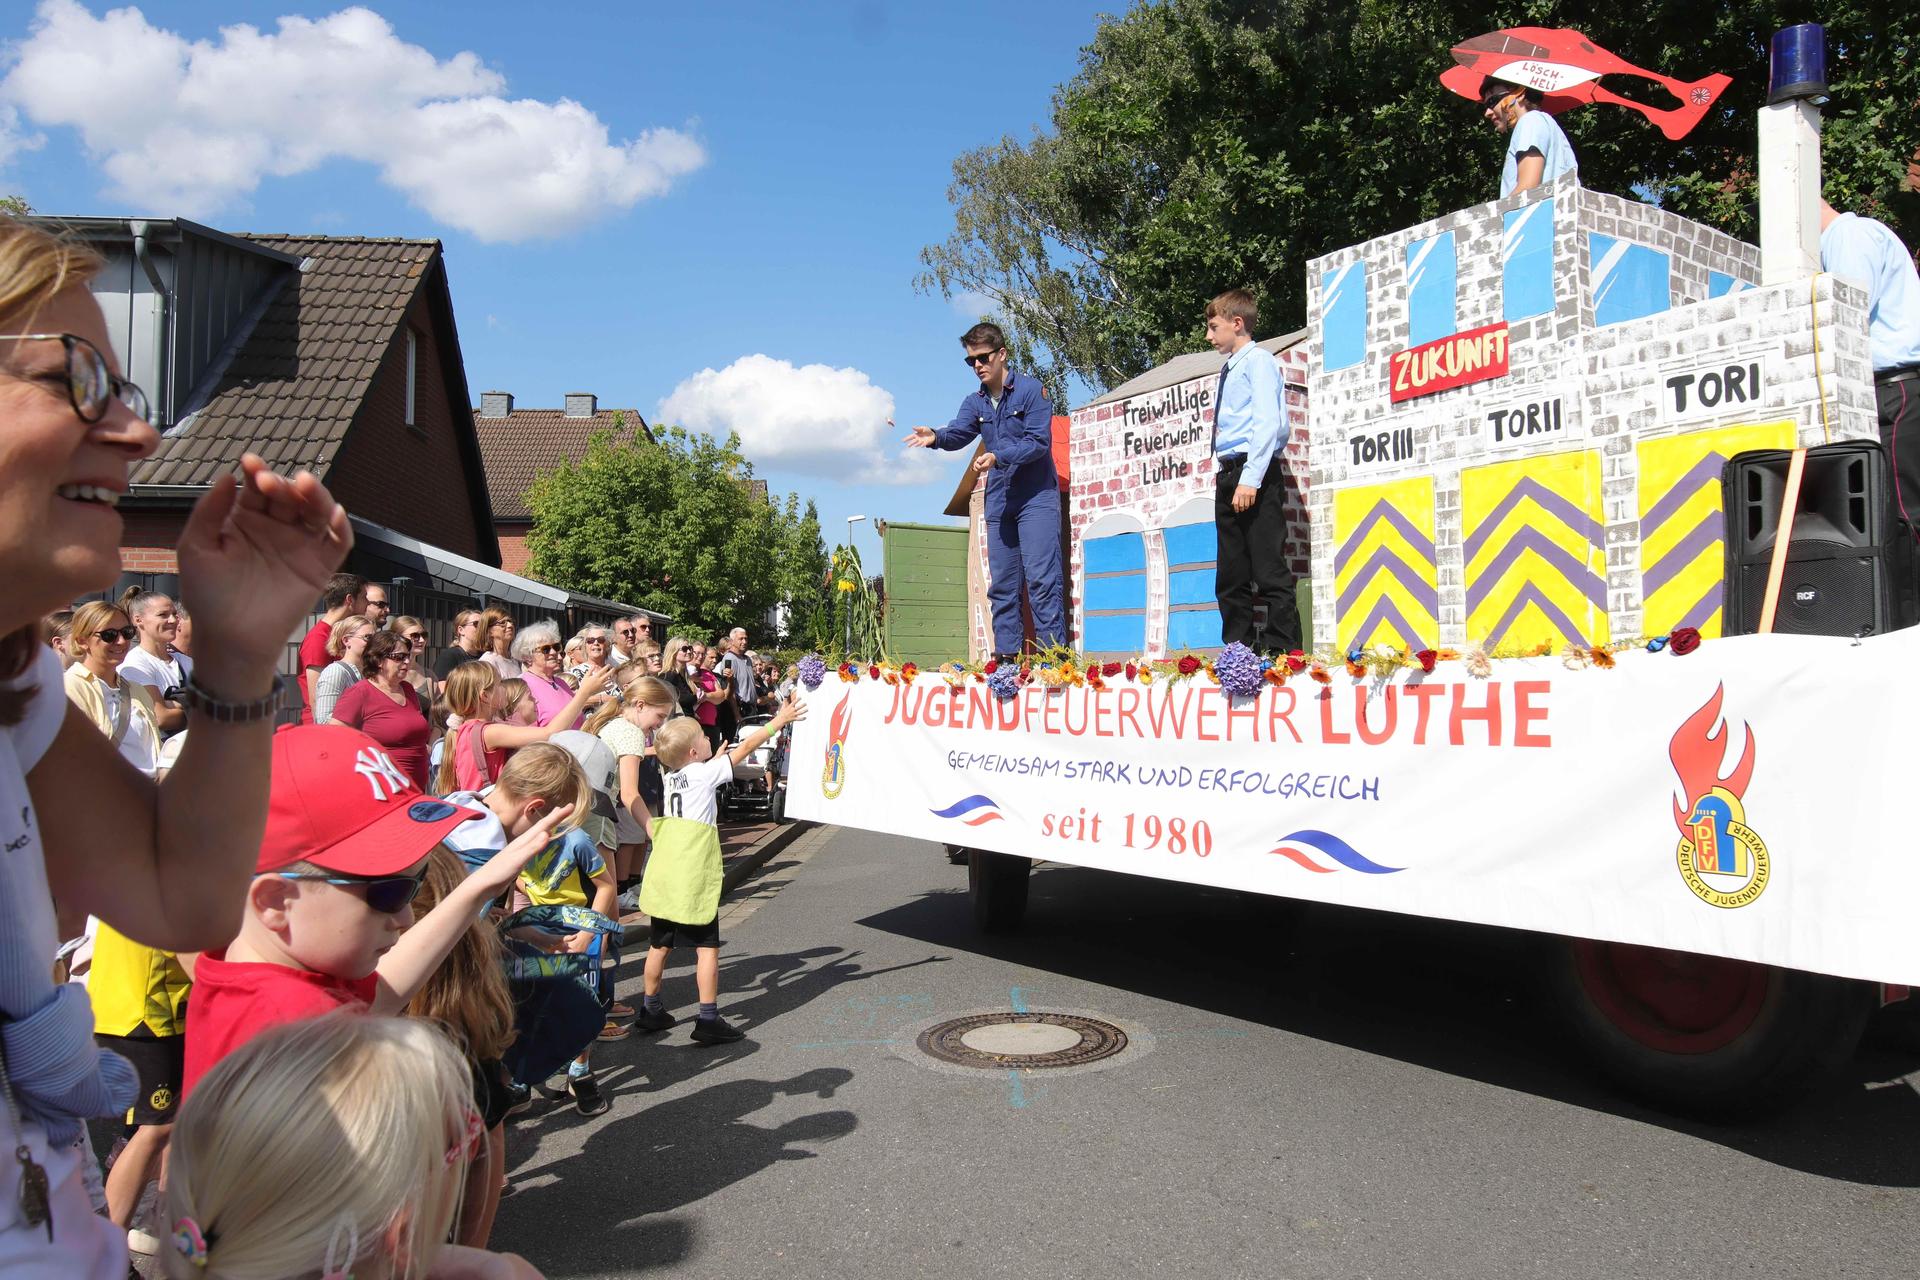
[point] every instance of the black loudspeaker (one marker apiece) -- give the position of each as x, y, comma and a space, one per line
1851, 562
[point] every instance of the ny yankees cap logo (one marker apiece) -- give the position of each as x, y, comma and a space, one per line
381, 773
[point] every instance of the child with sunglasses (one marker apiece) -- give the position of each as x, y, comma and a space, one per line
328, 921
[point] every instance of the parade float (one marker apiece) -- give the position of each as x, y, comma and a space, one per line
1534, 696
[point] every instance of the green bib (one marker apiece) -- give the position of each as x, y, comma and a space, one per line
682, 882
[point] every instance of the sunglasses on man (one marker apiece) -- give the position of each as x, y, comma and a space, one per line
384, 895
974, 361
91, 386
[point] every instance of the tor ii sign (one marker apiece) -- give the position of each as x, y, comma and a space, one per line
1445, 363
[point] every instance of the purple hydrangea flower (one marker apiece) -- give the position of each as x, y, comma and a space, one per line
1005, 682
813, 669
1238, 670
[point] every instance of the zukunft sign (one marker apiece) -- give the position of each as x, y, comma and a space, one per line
1747, 800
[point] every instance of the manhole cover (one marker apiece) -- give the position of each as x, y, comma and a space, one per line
1031, 1041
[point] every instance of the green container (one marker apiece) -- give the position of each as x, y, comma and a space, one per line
926, 575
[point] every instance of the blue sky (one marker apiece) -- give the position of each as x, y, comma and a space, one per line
804, 162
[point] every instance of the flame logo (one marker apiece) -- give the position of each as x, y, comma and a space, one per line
1715, 839
833, 776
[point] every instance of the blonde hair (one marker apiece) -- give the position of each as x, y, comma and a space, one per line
468, 993
91, 617
512, 691
633, 686
1235, 303
36, 266
303, 1149
673, 742
337, 638
542, 771
467, 684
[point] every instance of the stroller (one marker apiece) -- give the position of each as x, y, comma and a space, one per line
759, 786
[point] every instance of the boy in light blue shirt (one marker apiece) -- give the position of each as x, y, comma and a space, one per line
1869, 254
1537, 148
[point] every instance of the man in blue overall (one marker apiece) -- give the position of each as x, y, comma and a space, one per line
1013, 418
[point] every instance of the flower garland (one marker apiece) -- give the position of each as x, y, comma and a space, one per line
1238, 669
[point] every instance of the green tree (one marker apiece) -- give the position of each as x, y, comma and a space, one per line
1210, 143
804, 570
672, 526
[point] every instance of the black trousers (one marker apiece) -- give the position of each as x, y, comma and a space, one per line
1251, 562
1900, 433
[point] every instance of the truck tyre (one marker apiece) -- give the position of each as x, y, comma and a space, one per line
997, 882
1701, 1035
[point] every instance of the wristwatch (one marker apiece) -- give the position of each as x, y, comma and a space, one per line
195, 698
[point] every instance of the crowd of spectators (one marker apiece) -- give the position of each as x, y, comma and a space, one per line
353, 964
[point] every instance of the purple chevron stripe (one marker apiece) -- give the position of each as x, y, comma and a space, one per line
1383, 560
1708, 468
1382, 511
1571, 567
1386, 611
1708, 533
1530, 594
1576, 519
1701, 611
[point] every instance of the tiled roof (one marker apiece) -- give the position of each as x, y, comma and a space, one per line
293, 386
526, 442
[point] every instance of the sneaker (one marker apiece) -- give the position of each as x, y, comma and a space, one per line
716, 1030
587, 1099
648, 1020
522, 1096
630, 900
141, 1242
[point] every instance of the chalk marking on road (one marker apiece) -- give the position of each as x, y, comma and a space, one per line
1017, 1000
1016, 1091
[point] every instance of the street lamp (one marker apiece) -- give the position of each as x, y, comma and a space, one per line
851, 521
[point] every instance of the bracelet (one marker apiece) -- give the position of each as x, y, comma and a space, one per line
195, 698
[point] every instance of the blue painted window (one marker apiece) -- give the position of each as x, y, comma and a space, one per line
1193, 614
1628, 280
1720, 284
1526, 261
1343, 316
1114, 603
1430, 289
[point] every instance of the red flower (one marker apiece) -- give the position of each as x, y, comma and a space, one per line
1426, 658
1276, 674
990, 668
1684, 641
1354, 669
1188, 665
1026, 675
908, 672
1324, 676
1132, 671
1296, 661
1110, 669
873, 672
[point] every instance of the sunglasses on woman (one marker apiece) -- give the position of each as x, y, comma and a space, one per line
91, 386
110, 634
547, 648
386, 895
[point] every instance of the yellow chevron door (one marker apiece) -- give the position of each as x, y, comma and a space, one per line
1683, 524
1534, 545
1386, 589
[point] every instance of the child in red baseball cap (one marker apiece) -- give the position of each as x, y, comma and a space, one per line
328, 921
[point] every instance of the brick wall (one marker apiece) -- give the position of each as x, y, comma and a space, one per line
410, 478
148, 539
1612, 381
1146, 463
513, 545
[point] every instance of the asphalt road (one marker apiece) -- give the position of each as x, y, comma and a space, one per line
1310, 1092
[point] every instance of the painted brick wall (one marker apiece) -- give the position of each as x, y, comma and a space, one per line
410, 478
1146, 463
1612, 380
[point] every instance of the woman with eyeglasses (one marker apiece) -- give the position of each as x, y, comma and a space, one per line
386, 707
345, 642
498, 627
537, 648
414, 632
121, 709
166, 861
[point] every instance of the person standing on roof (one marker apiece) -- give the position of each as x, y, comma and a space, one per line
1014, 420
1870, 254
1537, 148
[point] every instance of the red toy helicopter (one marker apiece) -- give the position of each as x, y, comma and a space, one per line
1566, 68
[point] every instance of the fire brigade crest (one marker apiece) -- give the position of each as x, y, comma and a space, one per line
833, 775
1722, 859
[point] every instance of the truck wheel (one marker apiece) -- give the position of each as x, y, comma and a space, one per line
997, 882
1705, 1036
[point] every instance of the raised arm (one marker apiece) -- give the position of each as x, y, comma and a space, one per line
511, 737
790, 710
167, 864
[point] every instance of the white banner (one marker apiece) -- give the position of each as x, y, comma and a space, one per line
1747, 800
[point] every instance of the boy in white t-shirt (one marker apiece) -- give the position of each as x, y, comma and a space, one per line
681, 890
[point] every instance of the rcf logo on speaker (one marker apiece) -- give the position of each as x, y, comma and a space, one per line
1722, 859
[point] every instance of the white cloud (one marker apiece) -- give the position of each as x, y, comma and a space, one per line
13, 140
195, 126
810, 418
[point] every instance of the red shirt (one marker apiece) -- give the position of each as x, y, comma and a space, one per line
401, 727
313, 653
233, 1003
